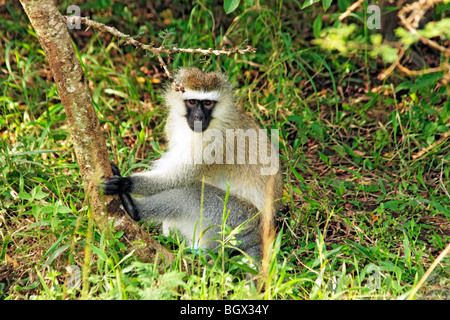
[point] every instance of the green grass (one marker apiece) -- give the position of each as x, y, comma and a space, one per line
362, 218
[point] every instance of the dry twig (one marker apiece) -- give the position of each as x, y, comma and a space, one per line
350, 10
410, 16
435, 144
428, 272
157, 51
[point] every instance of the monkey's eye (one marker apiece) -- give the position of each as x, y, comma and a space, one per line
191, 103
209, 104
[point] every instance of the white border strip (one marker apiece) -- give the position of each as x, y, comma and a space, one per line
201, 95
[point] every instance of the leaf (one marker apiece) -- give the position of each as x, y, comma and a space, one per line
142, 135
406, 37
436, 29
54, 245
387, 53
380, 182
101, 254
297, 175
326, 4
55, 254
297, 190
343, 4
40, 194
317, 26
295, 118
24, 195
230, 5
308, 3
392, 204
376, 39
426, 80
48, 209
324, 158
64, 209
119, 234
317, 130
406, 85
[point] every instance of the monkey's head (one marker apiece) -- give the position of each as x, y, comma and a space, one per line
207, 96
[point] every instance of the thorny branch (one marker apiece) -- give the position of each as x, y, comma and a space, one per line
157, 51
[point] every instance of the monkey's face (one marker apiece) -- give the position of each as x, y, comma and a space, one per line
206, 102
199, 113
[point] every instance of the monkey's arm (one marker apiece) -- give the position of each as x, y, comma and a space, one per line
146, 183
152, 182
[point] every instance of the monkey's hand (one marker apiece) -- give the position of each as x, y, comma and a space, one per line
116, 185
115, 169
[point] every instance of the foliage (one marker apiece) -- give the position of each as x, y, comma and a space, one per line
365, 161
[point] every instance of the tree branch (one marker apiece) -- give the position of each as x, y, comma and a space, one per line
156, 51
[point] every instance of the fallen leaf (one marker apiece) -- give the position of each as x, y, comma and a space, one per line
374, 218
12, 261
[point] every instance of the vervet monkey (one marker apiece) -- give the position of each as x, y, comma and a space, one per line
186, 188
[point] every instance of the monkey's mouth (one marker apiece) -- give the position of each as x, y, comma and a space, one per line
198, 128
198, 125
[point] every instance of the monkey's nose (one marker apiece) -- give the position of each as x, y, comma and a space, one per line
198, 117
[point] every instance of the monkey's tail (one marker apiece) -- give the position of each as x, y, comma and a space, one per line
268, 231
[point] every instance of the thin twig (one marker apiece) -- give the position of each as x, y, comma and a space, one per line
415, 12
350, 10
410, 72
429, 271
418, 10
227, 52
157, 51
435, 144
395, 64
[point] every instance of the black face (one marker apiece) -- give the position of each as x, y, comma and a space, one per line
199, 110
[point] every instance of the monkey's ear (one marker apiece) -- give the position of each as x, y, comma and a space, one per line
115, 169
